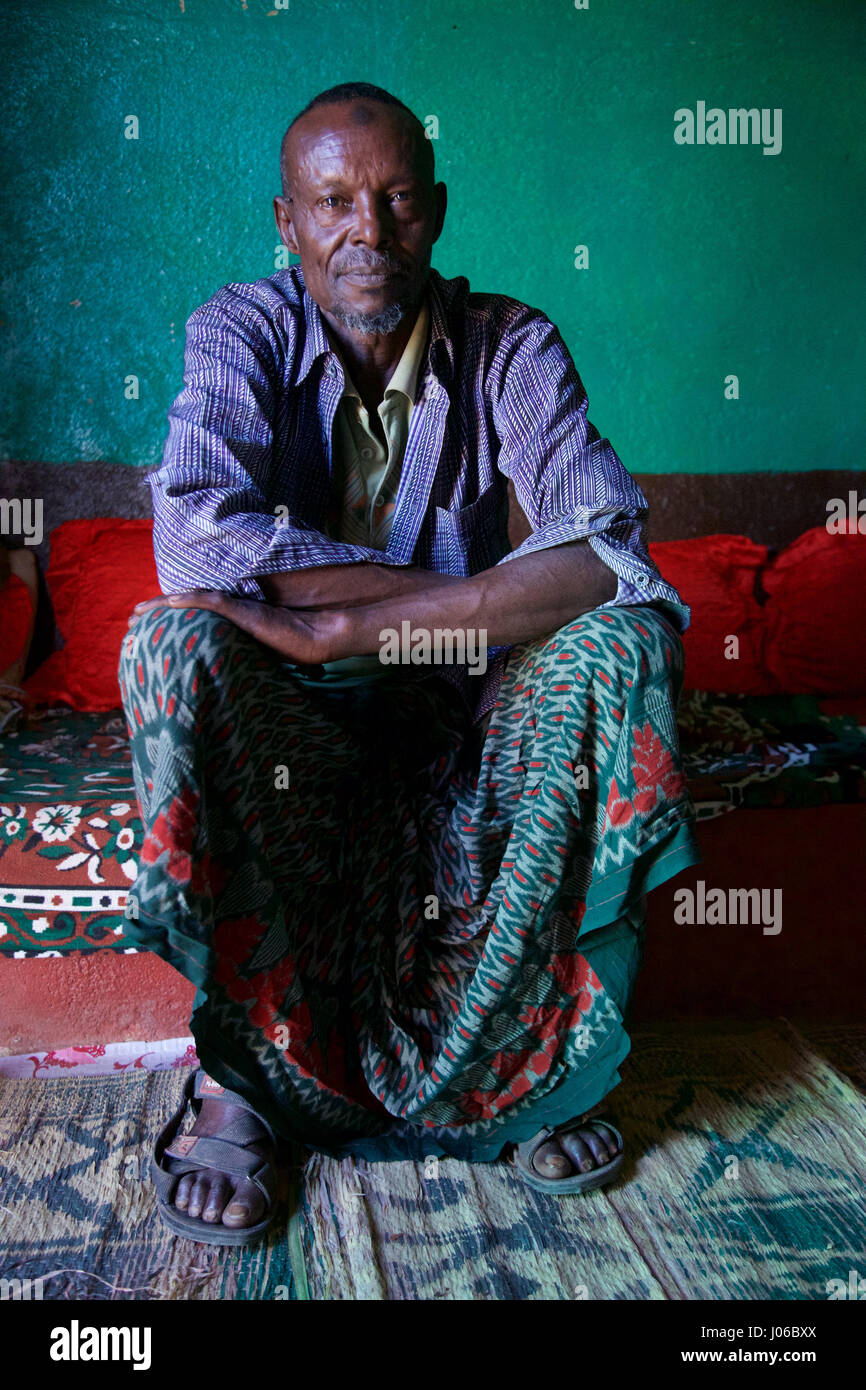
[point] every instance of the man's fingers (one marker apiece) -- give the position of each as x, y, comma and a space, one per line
248, 614
276, 627
197, 598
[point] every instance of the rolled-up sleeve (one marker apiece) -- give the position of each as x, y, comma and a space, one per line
569, 481
213, 526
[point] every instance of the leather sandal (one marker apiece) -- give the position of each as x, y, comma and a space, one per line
578, 1182
173, 1157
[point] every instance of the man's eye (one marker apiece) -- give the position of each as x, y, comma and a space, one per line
331, 200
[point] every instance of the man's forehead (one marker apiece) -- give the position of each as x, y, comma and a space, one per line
344, 139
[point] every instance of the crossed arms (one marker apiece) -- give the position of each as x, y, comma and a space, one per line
334, 611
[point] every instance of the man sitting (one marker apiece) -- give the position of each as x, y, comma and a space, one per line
404, 789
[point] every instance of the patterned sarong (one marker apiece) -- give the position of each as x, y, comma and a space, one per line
409, 937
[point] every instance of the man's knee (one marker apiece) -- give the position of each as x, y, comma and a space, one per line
167, 626
167, 641
638, 642
626, 644
618, 649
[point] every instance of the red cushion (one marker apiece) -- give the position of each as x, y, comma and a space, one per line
816, 614
16, 612
716, 576
98, 571
101, 568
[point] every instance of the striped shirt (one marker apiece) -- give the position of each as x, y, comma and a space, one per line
246, 478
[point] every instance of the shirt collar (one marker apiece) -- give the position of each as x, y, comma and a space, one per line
315, 339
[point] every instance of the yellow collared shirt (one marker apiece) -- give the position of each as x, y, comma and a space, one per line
366, 474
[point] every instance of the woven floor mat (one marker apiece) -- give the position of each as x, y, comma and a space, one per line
746, 1163
746, 1158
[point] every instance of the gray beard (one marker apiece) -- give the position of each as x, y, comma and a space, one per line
382, 323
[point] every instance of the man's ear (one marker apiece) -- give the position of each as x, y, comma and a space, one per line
283, 215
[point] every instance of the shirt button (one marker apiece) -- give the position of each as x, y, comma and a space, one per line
366, 453
380, 502
642, 580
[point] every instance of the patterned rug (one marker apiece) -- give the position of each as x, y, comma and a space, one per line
747, 1152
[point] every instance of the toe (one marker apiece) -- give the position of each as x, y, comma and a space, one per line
199, 1196
580, 1155
245, 1208
607, 1134
184, 1188
219, 1194
596, 1145
550, 1162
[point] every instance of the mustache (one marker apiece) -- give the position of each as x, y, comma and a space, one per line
382, 262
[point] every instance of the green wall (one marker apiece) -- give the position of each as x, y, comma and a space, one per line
555, 128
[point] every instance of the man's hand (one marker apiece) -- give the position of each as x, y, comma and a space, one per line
305, 636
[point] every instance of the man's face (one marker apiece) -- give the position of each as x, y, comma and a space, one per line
364, 212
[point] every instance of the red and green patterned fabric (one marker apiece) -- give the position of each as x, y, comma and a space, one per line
408, 937
64, 879
771, 750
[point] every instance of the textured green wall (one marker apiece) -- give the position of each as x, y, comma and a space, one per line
555, 128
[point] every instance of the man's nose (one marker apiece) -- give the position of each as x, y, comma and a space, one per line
374, 222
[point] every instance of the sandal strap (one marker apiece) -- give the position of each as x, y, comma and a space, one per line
196, 1152
166, 1182
529, 1147
205, 1088
173, 1124
202, 1151
243, 1128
